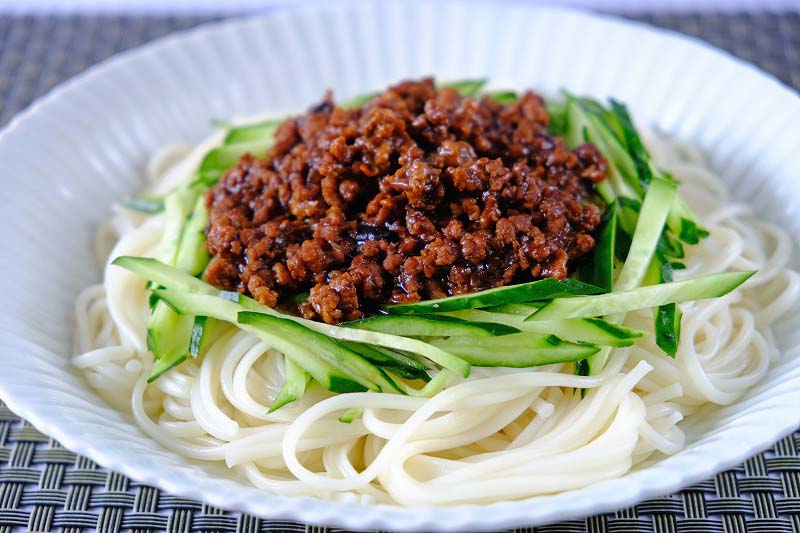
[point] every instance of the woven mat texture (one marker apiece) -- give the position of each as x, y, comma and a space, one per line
44, 487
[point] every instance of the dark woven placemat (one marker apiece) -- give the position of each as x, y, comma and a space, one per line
44, 487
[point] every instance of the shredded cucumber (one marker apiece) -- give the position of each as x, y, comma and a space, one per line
293, 388
652, 216
162, 274
667, 318
466, 87
502, 97
544, 289
352, 364
429, 326
603, 257
699, 288
519, 350
349, 415
589, 330
221, 159
173, 279
261, 131
322, 370
168, 335
386, 355
200, 329
192, 255
583, 125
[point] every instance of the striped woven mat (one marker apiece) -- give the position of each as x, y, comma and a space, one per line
44, 487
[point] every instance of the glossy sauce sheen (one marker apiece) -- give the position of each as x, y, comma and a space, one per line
421, 193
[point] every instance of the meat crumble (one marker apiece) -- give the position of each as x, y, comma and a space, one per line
420, 193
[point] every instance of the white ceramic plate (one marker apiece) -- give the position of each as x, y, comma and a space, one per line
68, 157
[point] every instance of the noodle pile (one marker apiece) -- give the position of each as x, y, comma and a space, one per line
500, 434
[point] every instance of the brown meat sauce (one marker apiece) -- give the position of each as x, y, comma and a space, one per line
421, 193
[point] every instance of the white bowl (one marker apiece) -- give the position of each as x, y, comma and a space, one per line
69, 156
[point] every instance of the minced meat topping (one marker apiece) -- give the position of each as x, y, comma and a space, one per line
421, 193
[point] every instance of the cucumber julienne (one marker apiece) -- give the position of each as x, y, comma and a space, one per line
699, 288
586, 330
178, 281
355, 366
293, 388
520, 350
544, 289
430, 326
631, 178
317, 354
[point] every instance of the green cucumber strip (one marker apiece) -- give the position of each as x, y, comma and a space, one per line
406, 373
428, 326
144, 204
698, 288
351, 414
173, 345
177, 206
163, 334
606, 117
503, 97
612, 136
513, 309
519, 350
636, 149
192, 256
667, 318
590, 330
653, 215
164, 275
386, 357
163, 319
668, 328
192, 304
168, 335
628, 213
160, 366
253, 132
603, 260
583, 125
594, 364
200, 329
670, 246
174, 279
394, 342
544, 289
222, 158
466, 87
360, 370
683, 223
300, 297
293, 388
558, 118
433, 387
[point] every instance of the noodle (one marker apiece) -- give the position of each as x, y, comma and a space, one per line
500, 434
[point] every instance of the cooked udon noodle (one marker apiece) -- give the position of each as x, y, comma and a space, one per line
500, 434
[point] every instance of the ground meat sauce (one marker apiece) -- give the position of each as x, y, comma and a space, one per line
421, 193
